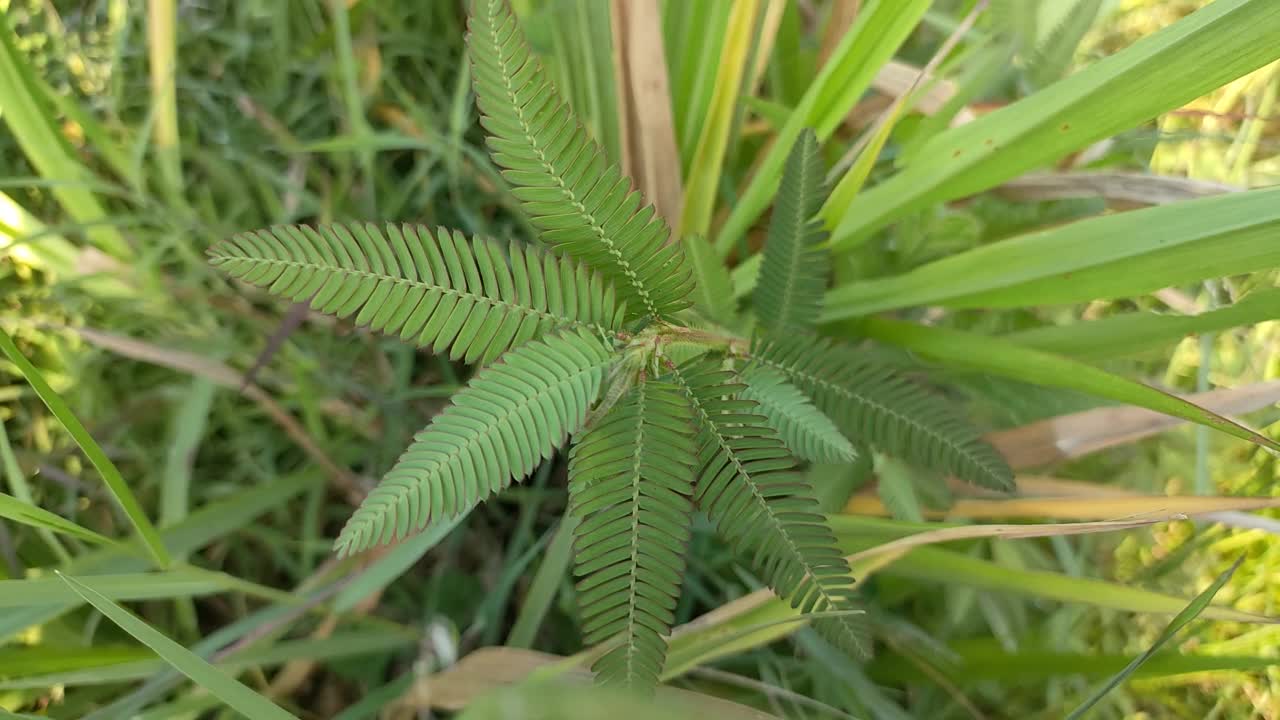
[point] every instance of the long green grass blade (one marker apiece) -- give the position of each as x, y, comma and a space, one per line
734, 630
702, 182
180, 582
1119, 255
986, 661
17, 482
882, 26
1135, 333
545, 586
986, 354
200, 528
19, 511
1217, 44
1191, 612
212, 679
110, 475
120, 665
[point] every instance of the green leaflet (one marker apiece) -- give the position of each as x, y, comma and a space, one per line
713, 290
794, 270
583, 207
873, 405
511, 416
808, 433
630, 484
747, 486
473, 298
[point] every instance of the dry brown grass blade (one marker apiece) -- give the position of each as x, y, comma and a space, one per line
1071, 436
1140, 508
492, 668
649, 152
1138, 189
227, 377
897, 78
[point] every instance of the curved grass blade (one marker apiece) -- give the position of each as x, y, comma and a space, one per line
217, 682
110, 475
1191, 612
11, 508
1111, 256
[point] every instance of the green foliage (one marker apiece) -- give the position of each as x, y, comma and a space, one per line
631, 485
794, 270
747, 486
665, 411
895, 416
511, 416
473, 299
584, 207
805, 430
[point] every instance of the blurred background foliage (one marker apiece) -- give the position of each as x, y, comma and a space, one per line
316, 110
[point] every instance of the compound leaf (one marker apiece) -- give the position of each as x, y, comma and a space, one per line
584, 207
510, 417
808, 433
630, 485
747, 486
472, 298
794, 269
872, 404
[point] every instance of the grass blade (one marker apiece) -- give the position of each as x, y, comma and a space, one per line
1155, 508
648, 135
703, 181
217, 682
1191, 612
880, 28
1118, 255
986, 661
545, 585
25, 513
22, 492
1135, 333
1001, 357
110, 475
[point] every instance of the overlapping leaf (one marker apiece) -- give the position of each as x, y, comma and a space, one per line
747, 486
874, 405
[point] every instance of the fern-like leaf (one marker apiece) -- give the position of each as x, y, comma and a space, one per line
511, 416
473, 298
747, 486
630, 482
808, 433
873, 405
583, 207
794, 268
